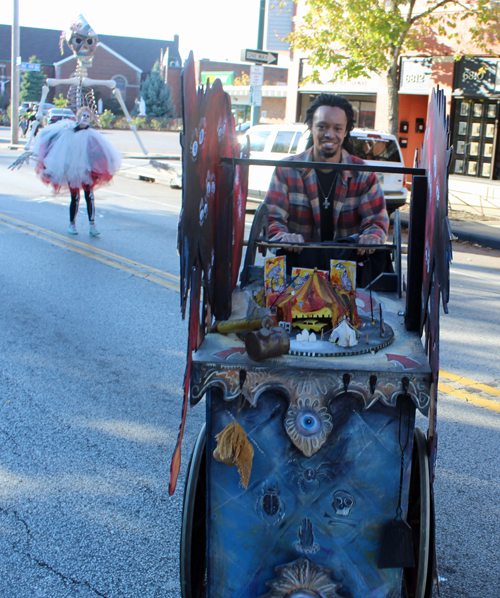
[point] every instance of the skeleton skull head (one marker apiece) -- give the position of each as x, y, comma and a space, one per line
82, 39
343, 503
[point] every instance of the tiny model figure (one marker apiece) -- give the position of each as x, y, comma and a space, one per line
76, 157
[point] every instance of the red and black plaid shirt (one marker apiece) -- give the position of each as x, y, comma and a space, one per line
292, 199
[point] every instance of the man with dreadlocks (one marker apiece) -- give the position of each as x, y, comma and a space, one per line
314, 204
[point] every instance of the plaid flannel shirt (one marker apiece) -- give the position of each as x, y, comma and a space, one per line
292, 199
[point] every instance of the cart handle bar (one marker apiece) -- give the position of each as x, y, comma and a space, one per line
323, 166
325, 245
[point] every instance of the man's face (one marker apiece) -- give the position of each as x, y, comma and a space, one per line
329, 128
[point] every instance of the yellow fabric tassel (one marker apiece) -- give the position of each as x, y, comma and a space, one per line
234, 449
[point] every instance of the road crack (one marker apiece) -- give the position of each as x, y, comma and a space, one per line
40, 563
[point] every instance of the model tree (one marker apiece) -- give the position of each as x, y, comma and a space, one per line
157, 95
32, 83
362, 37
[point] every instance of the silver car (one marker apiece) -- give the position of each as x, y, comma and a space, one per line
276, 142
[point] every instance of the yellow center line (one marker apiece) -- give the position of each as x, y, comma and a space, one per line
469, 397
157, 276
105, 257
491, 390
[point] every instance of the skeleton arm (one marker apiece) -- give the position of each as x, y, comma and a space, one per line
34, 125
118, 96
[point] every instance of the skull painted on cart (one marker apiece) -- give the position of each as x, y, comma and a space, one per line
82, 40
343, 502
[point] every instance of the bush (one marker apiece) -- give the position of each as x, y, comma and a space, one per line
107, 119
140, 122
121, 123
159, 124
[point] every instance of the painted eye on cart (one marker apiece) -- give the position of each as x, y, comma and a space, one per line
308, 423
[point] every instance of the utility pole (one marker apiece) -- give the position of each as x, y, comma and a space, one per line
14, 79
255, 112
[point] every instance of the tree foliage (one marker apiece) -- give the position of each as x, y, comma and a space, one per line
32, 83
362, 37
157, 95
60, 102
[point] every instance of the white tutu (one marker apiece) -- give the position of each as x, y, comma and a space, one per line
69, 158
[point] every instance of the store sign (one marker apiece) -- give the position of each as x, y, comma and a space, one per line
226, 77
415, 75
478, 77
357, 85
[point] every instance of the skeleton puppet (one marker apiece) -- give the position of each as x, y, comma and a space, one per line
82, 40
76, 157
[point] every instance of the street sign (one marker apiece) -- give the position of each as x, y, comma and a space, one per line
255, 95
30, 66
261, 56
256, 74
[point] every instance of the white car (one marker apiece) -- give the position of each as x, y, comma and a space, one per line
276, 142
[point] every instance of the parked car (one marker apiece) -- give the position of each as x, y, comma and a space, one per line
242, 128
276, 142
46, 107
56, 114
23, 107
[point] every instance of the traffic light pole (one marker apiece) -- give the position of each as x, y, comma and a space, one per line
255, 111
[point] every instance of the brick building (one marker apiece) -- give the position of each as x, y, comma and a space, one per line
127, 60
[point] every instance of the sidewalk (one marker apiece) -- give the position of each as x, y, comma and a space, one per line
484, 233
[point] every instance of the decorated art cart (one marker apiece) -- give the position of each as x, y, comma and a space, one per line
310, 478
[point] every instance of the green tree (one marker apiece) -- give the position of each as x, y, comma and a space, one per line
157, 95
362, 37
32, 83
60, 102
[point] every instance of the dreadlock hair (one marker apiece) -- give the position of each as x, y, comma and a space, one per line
334, 101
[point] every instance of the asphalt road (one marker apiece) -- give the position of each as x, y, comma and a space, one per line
92, 354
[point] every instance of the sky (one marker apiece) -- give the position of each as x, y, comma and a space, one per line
216, 29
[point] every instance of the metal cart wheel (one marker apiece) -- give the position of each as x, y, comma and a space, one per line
193, 557
259, 229
418, 580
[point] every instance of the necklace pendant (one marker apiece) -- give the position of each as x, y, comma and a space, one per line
326, 203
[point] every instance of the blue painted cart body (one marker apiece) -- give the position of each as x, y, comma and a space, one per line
325, 480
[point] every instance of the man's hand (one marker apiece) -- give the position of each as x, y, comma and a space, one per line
368, 239
293, 238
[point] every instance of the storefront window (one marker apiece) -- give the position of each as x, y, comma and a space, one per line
364, 109
475, 138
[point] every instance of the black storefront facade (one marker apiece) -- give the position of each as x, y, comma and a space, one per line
474, 119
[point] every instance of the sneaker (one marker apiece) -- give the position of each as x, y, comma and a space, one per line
93, 230
72, 229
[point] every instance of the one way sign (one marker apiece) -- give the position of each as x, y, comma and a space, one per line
260, 56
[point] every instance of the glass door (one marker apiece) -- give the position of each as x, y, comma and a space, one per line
474, 137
